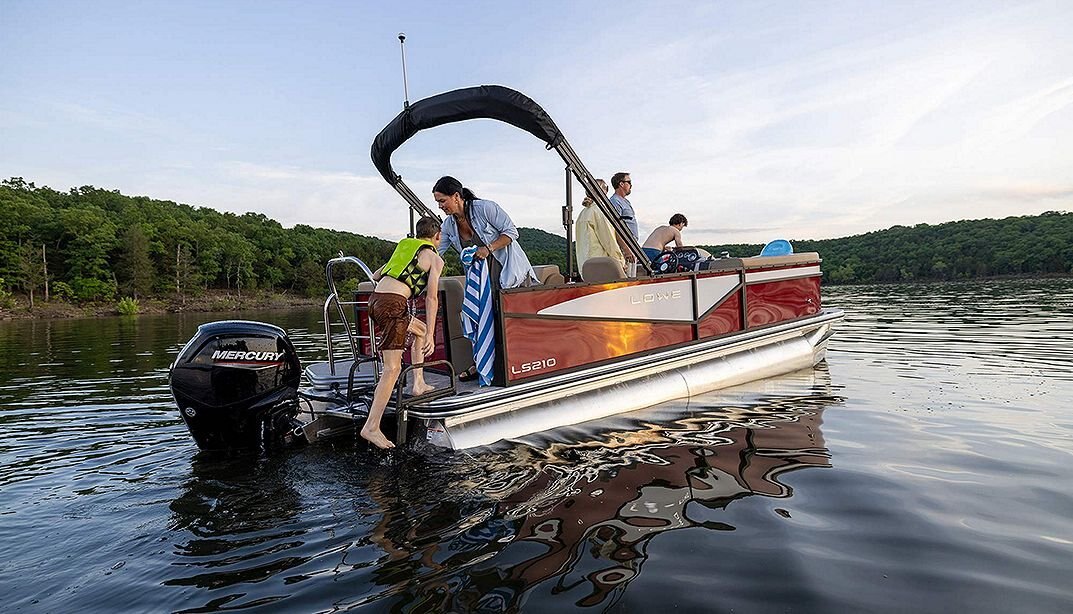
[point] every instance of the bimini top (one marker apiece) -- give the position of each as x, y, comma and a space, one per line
482, 102
501, 104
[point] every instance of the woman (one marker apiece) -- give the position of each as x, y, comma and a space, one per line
485, 225
472, 221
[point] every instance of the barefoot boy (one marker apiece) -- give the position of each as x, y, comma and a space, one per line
414, 267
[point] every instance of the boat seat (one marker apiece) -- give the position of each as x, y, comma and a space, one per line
454, 288
549, 274
320, 376
602, 269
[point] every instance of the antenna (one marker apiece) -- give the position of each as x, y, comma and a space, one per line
405, 89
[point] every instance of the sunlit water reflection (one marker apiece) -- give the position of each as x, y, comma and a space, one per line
923, 468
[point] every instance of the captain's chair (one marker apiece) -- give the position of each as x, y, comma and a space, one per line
602, 269
549, 274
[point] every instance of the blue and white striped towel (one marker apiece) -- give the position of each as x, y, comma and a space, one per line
477, 324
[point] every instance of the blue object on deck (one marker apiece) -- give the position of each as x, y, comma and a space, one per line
778, 247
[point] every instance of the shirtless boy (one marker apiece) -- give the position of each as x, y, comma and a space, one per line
663, 235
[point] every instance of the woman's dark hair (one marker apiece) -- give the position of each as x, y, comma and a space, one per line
449, 185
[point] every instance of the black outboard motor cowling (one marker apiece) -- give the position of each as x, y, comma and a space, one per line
236, 384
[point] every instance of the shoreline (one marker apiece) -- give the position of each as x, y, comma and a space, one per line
223, 302
209, 302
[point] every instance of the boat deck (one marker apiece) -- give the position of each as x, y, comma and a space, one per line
321, 379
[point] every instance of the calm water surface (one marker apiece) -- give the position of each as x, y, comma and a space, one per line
925, 467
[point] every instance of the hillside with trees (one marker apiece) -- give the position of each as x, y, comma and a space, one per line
543, 247
1035, 245
90, 244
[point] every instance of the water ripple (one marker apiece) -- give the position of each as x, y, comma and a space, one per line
922, 468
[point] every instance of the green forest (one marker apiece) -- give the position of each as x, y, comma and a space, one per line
91, 245
1037, 245
99, 245
1030, 246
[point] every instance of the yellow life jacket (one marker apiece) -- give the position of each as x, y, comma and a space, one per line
403, 264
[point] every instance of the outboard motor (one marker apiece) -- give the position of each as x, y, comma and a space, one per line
236, 385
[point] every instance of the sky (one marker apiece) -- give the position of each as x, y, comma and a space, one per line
757, 120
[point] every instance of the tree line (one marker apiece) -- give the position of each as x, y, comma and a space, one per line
90, 244
1031, 245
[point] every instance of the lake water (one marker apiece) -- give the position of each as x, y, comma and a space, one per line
926, 467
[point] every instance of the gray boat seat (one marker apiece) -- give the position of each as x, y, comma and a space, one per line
549, 274
461, 348
602, 269
753, 262
320, 376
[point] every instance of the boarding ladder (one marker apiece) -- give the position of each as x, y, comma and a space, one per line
330, 375
333, 367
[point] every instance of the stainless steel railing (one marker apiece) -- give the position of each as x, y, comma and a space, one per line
333, 299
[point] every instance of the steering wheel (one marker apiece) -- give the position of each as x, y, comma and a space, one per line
666, 262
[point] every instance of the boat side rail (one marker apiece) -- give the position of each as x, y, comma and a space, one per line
333, 299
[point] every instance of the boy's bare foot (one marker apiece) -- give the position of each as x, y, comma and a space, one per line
377, 438
419, 390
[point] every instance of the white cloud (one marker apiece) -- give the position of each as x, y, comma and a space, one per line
755, 122
339, 200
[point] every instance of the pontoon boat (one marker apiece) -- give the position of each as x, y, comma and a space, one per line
571, 349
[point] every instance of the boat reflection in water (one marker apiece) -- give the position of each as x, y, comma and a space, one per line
231, 512
583, 515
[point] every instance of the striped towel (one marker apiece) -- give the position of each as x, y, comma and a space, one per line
477, 323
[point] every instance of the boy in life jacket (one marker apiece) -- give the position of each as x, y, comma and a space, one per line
413, 268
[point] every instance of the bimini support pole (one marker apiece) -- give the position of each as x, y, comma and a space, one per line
568, 223
601, 200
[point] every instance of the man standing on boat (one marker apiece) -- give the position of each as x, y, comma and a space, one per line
623, 185
413, 268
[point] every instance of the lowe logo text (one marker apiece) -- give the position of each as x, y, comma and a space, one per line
652, 297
